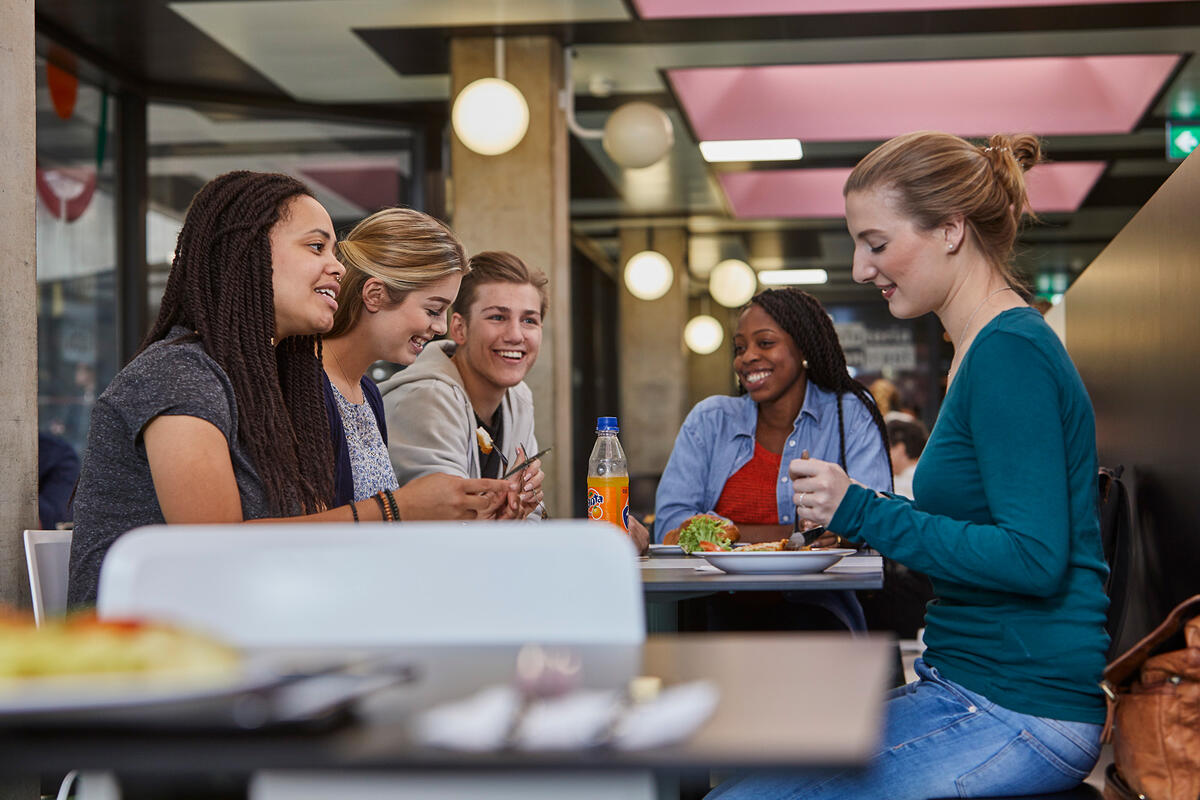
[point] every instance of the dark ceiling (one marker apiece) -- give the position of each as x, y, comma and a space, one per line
158, 48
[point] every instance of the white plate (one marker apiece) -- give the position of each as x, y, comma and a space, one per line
666, 549
99, 697
779, 562
260, 693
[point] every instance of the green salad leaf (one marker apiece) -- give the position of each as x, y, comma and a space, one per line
703, 529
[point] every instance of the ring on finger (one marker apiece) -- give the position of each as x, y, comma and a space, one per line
800, 501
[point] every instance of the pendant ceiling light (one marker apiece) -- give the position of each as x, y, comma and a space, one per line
703, 334
636, 135
732, 283
648, 275
490, 115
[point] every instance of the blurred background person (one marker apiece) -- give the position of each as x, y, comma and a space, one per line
907, 440
58, 470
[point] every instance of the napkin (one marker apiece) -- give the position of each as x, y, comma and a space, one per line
478, 723
499, 717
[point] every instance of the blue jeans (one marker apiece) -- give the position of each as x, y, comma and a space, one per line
941, 740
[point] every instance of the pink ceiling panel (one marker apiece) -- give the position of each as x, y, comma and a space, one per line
817, 193
833, 102
654, 9
1062, 187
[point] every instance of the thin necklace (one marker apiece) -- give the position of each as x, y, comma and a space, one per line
969, 319
341, 369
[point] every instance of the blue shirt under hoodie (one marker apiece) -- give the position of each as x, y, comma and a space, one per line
1004, 523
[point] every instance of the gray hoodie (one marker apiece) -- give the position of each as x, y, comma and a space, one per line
431, 423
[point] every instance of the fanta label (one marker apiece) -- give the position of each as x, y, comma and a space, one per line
609, 503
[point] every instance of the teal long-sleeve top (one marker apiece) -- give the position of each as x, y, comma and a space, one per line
1004, 524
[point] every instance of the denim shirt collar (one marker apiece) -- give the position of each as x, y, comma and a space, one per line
817, 402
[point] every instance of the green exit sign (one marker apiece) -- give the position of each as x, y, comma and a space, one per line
1182, 139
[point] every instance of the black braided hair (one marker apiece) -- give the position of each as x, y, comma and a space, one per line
221, 288
804, 319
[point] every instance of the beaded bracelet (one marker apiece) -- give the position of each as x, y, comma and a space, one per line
383, 509
354, 512
391, 499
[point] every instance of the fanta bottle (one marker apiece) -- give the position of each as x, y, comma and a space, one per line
608, 477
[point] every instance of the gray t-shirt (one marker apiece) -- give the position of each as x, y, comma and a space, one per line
173, 377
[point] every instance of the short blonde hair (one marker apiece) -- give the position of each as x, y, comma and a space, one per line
404, 248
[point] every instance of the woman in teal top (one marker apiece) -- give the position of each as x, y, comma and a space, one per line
1004, 521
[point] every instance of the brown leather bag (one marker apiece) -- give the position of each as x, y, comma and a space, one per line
1154, 713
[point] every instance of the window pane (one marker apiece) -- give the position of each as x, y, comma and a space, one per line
76, 253
353, 168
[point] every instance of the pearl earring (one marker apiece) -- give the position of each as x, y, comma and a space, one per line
804, 363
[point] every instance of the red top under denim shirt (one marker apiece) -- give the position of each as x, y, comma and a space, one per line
749, 495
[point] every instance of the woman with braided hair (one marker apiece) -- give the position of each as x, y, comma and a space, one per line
730, 457
219, 417
1004, 523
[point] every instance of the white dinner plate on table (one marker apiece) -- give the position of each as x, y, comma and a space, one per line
777, 562
256, 695
666, 549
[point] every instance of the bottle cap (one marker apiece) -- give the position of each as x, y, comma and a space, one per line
607, 424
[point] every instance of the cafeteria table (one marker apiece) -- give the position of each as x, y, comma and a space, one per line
757, 723
668, 579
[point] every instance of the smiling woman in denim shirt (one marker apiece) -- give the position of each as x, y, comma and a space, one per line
731, 454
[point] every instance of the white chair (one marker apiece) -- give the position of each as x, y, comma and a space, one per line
48, 557
344, 586
416, 588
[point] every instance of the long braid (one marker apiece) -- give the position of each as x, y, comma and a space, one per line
804, 319
221, 288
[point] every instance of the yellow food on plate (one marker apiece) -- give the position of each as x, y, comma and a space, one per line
84, 645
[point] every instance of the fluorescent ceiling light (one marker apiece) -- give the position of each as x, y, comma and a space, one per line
752, 150
792, 277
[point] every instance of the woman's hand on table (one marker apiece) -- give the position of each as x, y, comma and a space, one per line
818, 488
441, 496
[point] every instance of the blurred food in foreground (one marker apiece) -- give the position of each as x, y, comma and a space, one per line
84, 645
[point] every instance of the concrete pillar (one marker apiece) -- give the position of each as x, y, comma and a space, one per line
518, 201
18, 319
654, 379
18, 301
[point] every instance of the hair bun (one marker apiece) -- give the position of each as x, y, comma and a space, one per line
1025, 149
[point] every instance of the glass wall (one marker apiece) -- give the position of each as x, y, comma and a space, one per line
353, 168
76, 251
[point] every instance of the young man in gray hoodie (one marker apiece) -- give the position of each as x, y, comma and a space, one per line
462, 408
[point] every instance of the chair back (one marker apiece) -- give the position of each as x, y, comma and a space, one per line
48, 558
304, 584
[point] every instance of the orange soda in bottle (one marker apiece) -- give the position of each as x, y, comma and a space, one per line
608, 477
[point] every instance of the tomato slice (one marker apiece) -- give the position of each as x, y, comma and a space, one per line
710, 547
